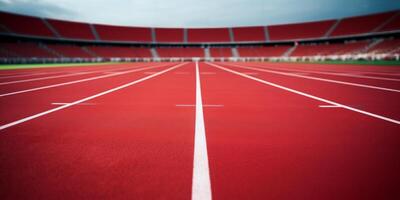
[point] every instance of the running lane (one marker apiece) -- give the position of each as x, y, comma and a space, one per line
133, 143
384, 103
268, 143
22, 105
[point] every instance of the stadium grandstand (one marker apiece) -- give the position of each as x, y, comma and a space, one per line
29, 39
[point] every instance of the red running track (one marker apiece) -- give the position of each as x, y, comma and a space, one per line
264, 141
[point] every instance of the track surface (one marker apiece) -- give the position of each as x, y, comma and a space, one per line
130, 131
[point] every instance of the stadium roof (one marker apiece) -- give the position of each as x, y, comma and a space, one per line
191, 13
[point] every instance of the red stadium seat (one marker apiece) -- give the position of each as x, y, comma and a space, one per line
208, 35
72, 30
300, 31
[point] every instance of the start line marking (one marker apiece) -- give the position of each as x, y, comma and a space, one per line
192, 105
83, 104
329, 106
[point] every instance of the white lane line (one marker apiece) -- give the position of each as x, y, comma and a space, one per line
79, 81
308, 95
87, 98
329, 106
346, 74
68, 74
83, 104
192, 105
315, 78
201, 185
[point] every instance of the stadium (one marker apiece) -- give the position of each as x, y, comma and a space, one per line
297, 110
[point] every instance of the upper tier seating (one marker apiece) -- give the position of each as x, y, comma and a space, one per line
300, 31
171, 35
72, 30
361, 24
24, 25
208, 35
393, 24
122, 33
249, 34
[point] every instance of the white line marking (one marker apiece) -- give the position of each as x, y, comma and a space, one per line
83, 104
201, 186
78, 81
329, 106
315, 78
346, 74
87, 98
308, 95
65, 74
192, 105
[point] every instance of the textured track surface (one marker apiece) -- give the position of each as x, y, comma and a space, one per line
268, 134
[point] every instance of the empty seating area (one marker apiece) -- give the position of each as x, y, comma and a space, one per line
221, 52
24, 25
51, 28
330, 49
217, 35
393, 23
269, 51
177, 52
169, 35
249, 34
69, 51
300, 31
361, 24
386, 46
27, 50
72, 30
123, 34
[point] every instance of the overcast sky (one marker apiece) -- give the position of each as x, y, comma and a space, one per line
196, 13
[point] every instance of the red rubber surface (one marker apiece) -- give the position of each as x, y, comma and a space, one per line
263, 143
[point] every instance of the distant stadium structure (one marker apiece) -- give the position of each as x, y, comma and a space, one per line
31, 39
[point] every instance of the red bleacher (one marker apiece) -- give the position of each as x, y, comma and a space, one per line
122, 33
175, 52
386, 46
394, 24
330, 49
69, 51
208, 35
249, 34
24, 25
72, 30
270, 51
361, 24
169, 35
122, 52
224, 52
27, 50
300, 31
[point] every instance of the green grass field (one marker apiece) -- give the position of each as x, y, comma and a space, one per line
30, 66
